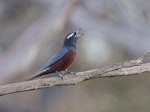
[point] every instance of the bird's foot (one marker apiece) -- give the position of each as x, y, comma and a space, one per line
60, 74
69, 72
72, 73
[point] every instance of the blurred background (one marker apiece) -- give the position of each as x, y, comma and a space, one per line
31, 31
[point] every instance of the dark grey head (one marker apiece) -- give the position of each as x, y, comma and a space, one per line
70, 40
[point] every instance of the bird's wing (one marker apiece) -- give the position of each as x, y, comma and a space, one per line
60, 54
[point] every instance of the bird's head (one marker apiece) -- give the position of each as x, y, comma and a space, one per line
71, 39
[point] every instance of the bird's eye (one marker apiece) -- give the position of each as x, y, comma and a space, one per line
71, 35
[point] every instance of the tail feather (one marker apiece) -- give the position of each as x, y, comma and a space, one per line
31, 78
38, 74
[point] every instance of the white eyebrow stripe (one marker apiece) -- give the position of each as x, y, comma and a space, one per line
69, 36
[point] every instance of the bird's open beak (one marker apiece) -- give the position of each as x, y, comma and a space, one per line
79, 33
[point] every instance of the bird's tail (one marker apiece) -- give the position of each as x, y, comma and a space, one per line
31, 78
38, 74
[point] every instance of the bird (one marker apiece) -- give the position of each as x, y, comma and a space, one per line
63, 57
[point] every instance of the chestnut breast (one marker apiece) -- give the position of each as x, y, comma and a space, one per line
64, 62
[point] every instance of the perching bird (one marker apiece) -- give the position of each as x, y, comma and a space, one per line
63, 58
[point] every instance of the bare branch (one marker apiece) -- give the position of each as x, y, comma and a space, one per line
127, 68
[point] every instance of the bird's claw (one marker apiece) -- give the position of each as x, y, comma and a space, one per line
60, 74
73, 73
69, 72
